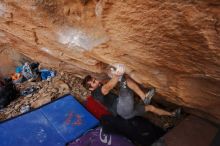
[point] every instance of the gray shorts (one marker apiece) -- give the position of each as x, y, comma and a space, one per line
126, 106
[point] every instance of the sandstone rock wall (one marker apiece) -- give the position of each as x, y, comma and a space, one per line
172, 45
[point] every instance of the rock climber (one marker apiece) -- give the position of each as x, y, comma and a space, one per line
123, 104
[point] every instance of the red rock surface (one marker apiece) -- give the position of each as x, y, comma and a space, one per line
190, 132
172, 45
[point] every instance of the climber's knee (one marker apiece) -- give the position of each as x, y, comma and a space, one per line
150, 108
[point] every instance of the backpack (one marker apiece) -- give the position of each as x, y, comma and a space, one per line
8, 92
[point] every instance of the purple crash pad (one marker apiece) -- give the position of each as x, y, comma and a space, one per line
97, 137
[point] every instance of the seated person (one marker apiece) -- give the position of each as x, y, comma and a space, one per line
123, 104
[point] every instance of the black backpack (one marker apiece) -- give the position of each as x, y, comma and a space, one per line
8, 92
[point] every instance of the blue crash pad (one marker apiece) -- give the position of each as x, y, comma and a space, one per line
54, 124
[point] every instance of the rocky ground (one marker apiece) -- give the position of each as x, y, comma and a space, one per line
48, 90
63, 83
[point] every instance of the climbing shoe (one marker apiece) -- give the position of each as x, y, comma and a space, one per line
149, 96
176, 113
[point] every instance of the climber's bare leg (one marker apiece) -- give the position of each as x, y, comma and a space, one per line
133, 86
157, 111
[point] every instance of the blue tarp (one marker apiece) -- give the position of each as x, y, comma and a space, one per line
54, 124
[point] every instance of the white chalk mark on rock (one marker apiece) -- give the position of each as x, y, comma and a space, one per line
76, 38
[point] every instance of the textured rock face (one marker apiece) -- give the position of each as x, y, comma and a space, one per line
172, 45
9, 60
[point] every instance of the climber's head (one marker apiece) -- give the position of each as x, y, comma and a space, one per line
90, 83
